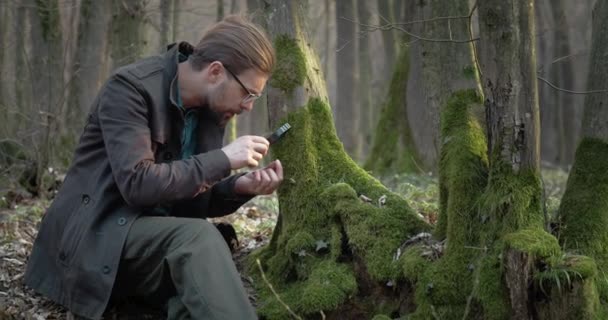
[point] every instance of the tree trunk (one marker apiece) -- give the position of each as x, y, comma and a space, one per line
393, 149
389, 37
3, 40
347, 110
550, 132
22, 105
127, 31
513, 230
47, 84
166, 25
5, 43
90, 60
220, 10
325, 246
509, 82
440, 76
176, 19
583, 211
451, 80
563, 74
327, 36
365, 79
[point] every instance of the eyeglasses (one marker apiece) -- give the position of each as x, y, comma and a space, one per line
250, 96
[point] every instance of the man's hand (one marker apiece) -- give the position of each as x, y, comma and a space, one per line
262, 181
246, 151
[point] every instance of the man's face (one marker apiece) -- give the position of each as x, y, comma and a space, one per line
232, 98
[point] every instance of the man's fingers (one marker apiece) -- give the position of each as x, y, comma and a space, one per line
257, 156
260, 147
252, 162
260, 139
274, 178
265, 178
278, 168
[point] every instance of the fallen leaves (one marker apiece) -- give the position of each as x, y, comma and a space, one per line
253, 223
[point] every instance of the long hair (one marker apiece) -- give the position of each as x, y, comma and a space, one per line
238, 44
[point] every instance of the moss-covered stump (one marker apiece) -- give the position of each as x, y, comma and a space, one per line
566, 290
339, 230
463, 168
583, 212
445, 287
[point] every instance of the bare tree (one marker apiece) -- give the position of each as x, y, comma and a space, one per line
366, 110
562, 72
47, 81
347, 110
127, 35
89, 65
166, 25
583, 208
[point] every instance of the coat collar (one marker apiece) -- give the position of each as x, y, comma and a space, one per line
162, 124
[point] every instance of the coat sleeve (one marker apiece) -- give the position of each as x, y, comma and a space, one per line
218, 201
123, 117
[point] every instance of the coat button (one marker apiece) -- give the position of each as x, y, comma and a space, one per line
168, 155
106, 269
122, 221
86, 199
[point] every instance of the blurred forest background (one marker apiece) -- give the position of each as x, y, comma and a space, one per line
384, 63
56, 54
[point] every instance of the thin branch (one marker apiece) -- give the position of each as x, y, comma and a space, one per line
475, 58
567, 90
431, 20
433, 40
274, 292
394, 26
569, 56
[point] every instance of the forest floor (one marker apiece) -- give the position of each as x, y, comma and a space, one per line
20, 215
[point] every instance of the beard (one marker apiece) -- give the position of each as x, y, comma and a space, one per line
208, 113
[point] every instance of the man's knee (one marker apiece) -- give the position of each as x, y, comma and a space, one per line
198, 231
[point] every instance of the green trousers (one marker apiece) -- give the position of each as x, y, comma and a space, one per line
186, 263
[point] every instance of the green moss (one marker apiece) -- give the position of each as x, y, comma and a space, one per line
393, 148
444, 287
562, 271
290, 68
491, 292
413, 263
535, 241
301, 241
463, 167
329, 285
319, 201
583, 212
381, 317
469, 72
510, 202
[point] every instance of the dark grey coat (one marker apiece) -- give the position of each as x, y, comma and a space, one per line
124, 165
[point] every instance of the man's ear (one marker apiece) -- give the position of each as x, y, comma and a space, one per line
215, 72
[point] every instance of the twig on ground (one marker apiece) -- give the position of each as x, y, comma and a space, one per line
274, 292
